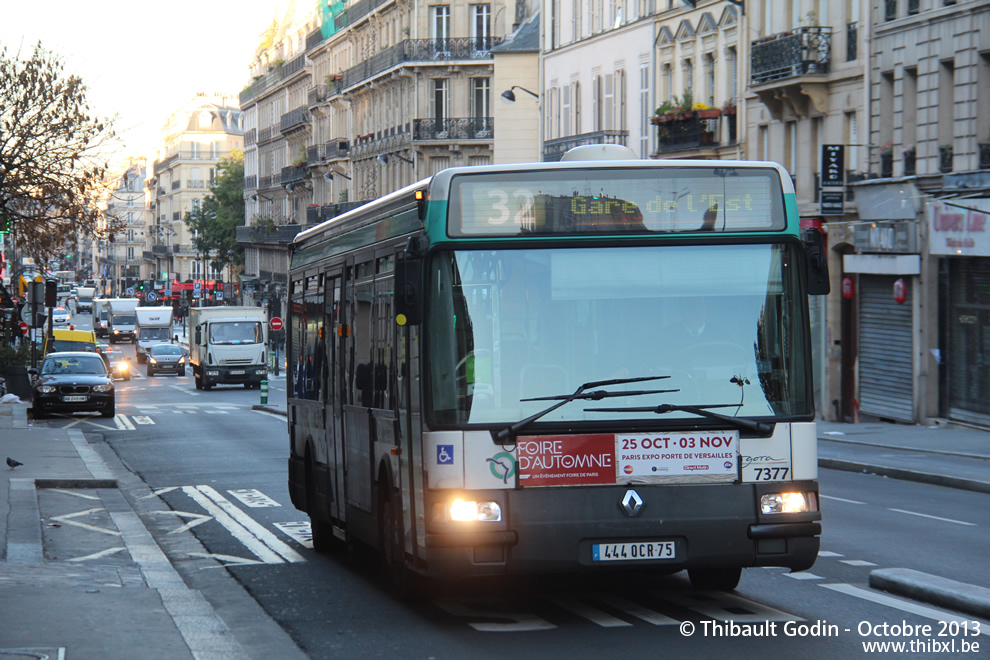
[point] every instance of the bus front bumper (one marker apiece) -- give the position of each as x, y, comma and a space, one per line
546, 530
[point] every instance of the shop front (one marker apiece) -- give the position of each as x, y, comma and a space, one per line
959, 238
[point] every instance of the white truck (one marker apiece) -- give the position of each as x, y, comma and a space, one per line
84, 299
153, 326
228, 345
121, 321
101, 313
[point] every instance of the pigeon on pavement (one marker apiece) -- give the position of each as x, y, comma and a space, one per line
11, 463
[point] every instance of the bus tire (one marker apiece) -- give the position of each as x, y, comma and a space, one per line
720, 578
392, 539
323, 539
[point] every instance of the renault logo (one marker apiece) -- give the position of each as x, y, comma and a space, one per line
632, 503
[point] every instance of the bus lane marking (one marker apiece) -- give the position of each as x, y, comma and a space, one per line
142, 419
638, 611
239, 532
904, 606
195, 518
253, 498
586, 611
300, 532
925, 515
517, 621
250, 525
68, 520
123, 424
727, 607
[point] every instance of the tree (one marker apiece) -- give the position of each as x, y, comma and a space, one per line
221, 212
53, 168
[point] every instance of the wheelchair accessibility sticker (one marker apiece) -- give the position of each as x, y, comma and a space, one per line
445, 454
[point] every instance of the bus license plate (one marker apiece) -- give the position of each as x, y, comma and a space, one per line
632, 551
74, 399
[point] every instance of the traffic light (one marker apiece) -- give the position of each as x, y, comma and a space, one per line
6, 224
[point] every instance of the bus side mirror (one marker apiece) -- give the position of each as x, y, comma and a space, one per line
409, 285
816, 263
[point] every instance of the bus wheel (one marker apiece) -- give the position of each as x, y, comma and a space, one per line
393, 545
715, 579
323, 539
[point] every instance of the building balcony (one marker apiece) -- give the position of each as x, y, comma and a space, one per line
294, 120
332, 150
317, 95
789, 70
420, 50
690, 134
293, 66
148, 255
183, 249
267, 181
555, 148
196, 184
251, 137
293, 173
267, 134
463, 128
278, 234
251, 182
160, 250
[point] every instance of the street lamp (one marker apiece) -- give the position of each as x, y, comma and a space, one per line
510, 97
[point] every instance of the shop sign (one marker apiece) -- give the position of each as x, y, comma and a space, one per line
833, 202
898, 236
959, 227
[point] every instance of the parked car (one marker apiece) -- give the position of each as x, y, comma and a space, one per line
119, 364
166, 358
60, 315
72, 382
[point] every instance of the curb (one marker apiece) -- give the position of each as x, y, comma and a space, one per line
907, 475
932, 589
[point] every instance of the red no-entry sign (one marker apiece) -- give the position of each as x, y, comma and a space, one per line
24, 327
275, 323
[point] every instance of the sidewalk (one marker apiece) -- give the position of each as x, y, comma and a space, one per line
108, 603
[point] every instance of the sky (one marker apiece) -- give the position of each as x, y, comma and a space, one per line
140, 59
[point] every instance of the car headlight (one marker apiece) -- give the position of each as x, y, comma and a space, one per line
104, 387
122, 366
182, 360
152, 360
46, 389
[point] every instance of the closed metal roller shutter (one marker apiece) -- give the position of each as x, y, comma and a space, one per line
886, 382
969, 341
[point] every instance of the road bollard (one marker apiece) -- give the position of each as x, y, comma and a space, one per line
264, 392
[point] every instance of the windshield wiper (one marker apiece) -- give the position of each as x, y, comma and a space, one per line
579, 393
744, 423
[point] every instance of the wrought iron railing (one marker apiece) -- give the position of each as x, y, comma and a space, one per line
317, 94
196, 184
293, 173
159, 249
251, 137
421, 50
293, 65
176, 184
555, 148
294, 119
267, 133
266, 181
690, 133
273, 234
461, 128
798, 52
251, 182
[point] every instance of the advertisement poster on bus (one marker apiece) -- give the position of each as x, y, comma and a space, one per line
567, 460
681, 456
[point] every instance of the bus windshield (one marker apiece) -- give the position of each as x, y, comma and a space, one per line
722, 321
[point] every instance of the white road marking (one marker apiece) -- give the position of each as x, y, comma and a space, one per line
253, 498
196, 518
582, 609
229, 560
253, 526
925, 515
270, 414
216, 412
75, 494
637, 610
123, 423
300, 532
826, 553
68, 520
160, 491
857, 562
717, 604
141, 419
839, 499
97, 555
260, 550
896, 603
804, 575
521, 622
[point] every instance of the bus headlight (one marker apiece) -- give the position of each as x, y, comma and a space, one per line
468, 511
788, 503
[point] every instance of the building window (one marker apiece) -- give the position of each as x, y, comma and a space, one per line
644, 110
130, 254
481, 97
565, 112
481, 25
733, 58
688, 75
576, 105
709, 61
609, 102
440, 23
440, 99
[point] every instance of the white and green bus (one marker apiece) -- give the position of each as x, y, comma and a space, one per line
589, 364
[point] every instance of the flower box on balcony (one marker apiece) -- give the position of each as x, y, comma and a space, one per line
710, 113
